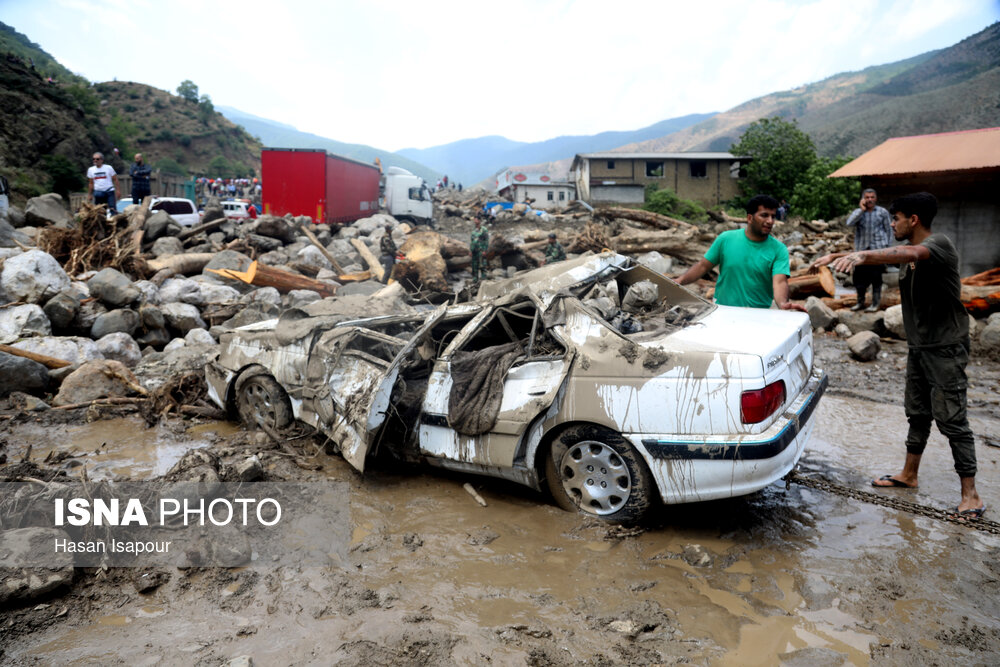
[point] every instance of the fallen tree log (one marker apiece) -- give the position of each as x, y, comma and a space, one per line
374, 265
679, 243
646, 217
990, 277
186, 264
263, 275
202, 228
319, 246
428, 256
812, 284
45, 360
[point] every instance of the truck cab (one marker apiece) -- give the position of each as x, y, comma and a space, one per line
407, 196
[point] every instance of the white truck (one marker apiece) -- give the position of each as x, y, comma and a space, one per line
406, 196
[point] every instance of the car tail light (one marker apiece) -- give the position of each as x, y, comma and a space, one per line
759, 404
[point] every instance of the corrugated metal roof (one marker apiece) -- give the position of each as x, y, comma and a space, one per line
949, 151
658, 156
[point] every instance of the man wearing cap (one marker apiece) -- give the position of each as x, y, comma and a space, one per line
554, 251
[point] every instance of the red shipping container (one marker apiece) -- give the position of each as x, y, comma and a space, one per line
309, 181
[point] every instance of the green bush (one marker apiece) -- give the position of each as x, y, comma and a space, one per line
64, 176
84, 97
169, 165
666, 202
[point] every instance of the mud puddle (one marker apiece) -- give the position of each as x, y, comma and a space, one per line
120, 448
787, 576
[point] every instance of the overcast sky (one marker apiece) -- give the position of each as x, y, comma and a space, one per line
395, 74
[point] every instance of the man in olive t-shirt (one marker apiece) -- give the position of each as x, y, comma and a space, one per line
753, 265
937, 334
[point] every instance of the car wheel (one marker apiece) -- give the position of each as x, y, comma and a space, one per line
262, 402
596, 471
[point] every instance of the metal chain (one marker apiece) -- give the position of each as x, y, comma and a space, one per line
983, 525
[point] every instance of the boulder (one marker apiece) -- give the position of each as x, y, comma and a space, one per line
19, 373
160, 225
22, 547
254, 312
864, 346
48, 209
820, 315
642, 294
113, 287
175, 344
182, 317
33, 277
96, 379
266, 295
16, 217
893, 321
20, 321
87, 314
859, 321
149, 292
274, 227
843, 331
298, 298
365, 226
198, 337
989, 336
154, 337
312, 255
122, 320
213, 293
263, 243
61, 309
167, 245
120, 346
151, 316
74, 349
181, 290
227, 259
10, 237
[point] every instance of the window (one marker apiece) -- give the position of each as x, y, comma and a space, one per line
550, 197
562, 196
611, 164
417, 194
737, 170
654, 169
174, 207
699, 169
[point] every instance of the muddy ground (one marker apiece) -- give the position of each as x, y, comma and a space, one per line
790, 576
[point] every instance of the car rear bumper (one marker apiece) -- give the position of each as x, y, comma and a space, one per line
712, 468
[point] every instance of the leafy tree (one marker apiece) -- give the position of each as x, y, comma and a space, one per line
219, 167
188, 90
169, 165
781, 153
817, 197
205, 109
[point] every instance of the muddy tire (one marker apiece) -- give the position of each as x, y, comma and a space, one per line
261, 402
596, 471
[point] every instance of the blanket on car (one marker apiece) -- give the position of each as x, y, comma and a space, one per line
477, 387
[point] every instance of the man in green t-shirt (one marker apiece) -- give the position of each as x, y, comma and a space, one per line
937, 338
753, 265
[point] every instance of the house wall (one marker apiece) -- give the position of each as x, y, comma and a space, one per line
716, 187
968, 211
618, 194
540, 194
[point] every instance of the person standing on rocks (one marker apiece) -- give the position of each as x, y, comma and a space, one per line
140, 173
479, 242
102, 183
937, 335
554, 251
388, 248
753, 265
873, 231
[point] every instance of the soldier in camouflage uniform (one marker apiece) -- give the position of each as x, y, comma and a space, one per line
554, 251
388, 249
479, 242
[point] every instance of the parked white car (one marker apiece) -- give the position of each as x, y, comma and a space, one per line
238, 210
536, 383
182, 210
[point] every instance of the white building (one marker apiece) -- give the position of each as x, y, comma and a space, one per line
518, 185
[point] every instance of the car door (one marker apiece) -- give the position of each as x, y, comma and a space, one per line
530, 387
358, 426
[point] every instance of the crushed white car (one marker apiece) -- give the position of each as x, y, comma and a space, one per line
536, 382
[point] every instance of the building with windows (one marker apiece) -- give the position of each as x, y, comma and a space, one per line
961, 169
708, 178
545, 192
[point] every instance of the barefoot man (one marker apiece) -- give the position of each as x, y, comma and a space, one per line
937, 333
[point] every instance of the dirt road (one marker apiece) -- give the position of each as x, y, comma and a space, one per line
788, 576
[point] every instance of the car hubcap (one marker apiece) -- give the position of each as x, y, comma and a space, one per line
596, 477
260, 406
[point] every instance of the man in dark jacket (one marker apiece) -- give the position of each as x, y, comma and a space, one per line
140, 172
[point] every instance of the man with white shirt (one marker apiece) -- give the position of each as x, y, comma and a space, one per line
102, 183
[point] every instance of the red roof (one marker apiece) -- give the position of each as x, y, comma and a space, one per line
948, 151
